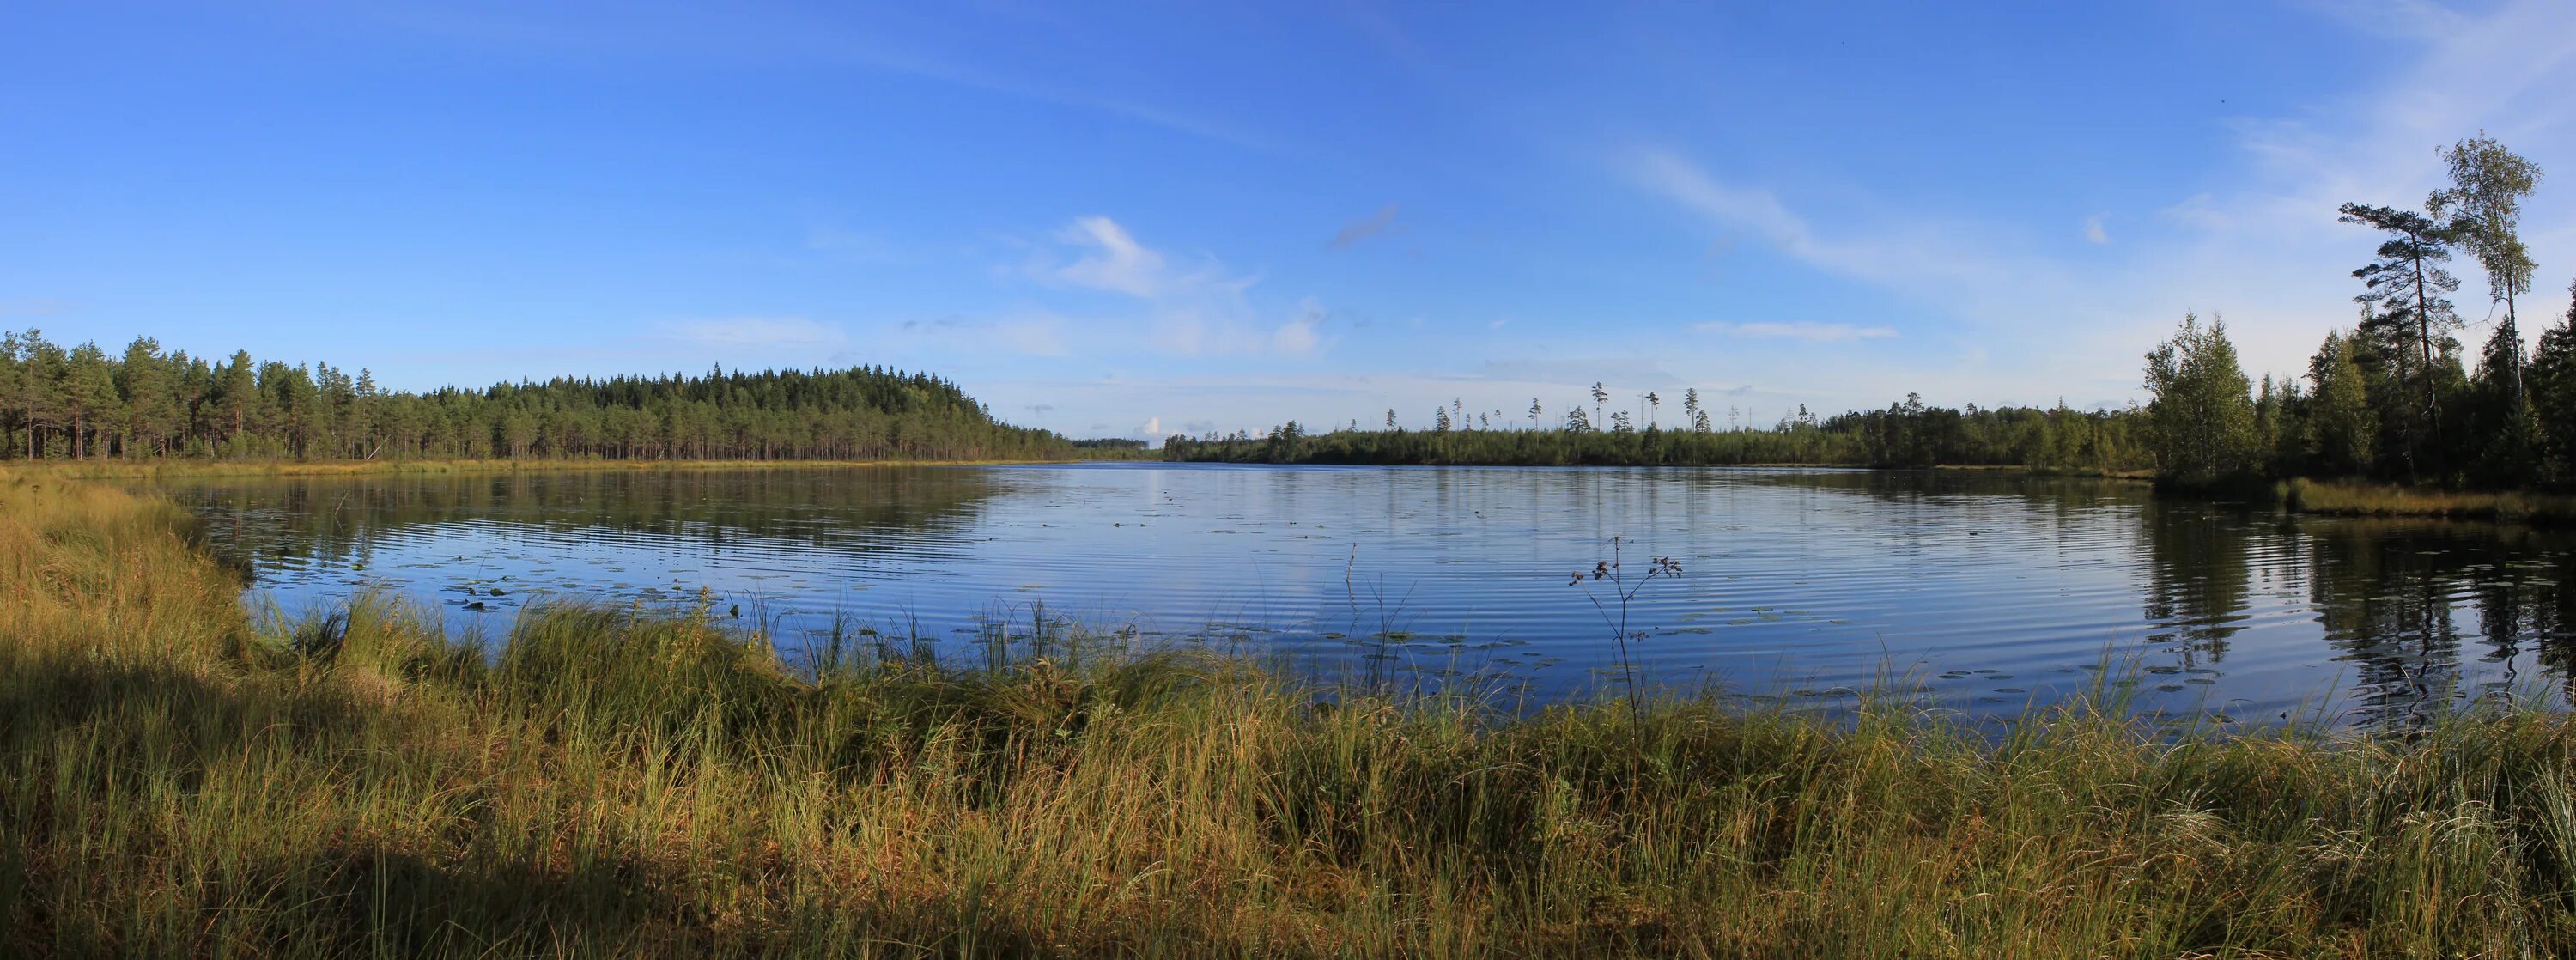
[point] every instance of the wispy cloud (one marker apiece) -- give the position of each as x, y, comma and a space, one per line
752, 332
709, 35
1298, 336
2267, 249
1799, 330
1923, 258
1203, 308
2258, 242
2198, 211
1112, 261
1369, 226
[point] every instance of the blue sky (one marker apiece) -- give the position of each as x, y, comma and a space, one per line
1144, 219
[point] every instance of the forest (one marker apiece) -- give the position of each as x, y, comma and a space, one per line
83, 402
1906, 434
2393, 398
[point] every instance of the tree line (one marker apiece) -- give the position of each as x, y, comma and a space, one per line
80, 402
2394, 397
1905, 434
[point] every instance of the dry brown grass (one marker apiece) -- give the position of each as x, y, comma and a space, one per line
2386, 500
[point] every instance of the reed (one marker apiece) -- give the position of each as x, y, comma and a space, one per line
181, 778
2388, 500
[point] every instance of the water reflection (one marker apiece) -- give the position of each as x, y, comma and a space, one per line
2200, 576
2389, 596
1994, 590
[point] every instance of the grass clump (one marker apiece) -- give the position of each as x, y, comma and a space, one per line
2388, 500
177, 779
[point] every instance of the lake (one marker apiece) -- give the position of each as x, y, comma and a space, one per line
1986, 591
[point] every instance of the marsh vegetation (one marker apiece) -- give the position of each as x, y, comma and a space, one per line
180, 778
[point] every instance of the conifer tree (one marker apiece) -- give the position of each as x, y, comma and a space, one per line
2342, 429
2408, 286
2552, 383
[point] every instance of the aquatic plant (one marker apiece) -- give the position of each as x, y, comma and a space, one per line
1622, 589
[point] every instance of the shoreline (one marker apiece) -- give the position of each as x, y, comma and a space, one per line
178, 777
2346, 499
2299, 495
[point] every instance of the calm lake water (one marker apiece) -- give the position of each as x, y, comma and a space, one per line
1987, 591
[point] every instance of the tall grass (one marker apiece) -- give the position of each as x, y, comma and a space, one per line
178, 779
2385, 500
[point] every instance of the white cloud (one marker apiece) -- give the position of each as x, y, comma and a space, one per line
2267, 250
2199, 212
752, 332
1204, 309
1799, 330
2260, 244
2093, 232
1297, 337
1115, 261
1923, 258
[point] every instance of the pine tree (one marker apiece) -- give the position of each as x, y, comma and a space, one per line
13, 389
151, 398
88, 392
2407, 284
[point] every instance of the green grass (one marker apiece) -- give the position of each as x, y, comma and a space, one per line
180, 779
2389, 500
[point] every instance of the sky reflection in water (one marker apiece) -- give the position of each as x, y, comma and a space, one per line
1988, 591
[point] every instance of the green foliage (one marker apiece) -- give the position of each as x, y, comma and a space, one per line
2201, 421
2405, 307
148, 403
2552, 382
1905, 434
2483, 207
2394, 398
2342, 428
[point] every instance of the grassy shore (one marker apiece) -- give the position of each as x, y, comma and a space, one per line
179, 780
2387, 500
